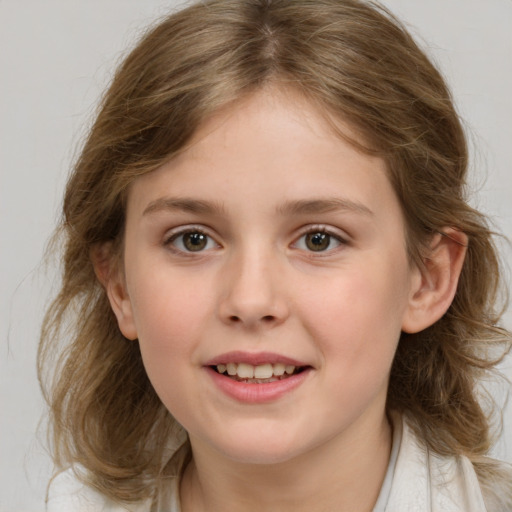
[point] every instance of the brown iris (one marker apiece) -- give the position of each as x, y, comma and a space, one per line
318, 241
195, 241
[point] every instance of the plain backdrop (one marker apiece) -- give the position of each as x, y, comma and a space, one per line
56, 56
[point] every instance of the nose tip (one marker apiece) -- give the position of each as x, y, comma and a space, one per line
253, 295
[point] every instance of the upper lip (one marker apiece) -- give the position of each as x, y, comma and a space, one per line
255, 359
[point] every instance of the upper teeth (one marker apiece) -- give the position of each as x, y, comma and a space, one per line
262, 371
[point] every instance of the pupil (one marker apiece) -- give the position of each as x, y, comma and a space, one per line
318, 241
195, 241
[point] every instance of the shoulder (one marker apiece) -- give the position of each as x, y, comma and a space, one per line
446, 483
68, 494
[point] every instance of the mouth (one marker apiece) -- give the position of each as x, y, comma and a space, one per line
257, 378
259, 374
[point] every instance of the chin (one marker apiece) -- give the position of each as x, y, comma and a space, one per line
259, 449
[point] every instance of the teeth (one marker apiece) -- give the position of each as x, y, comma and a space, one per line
279, 369
263, 371
289, 369
245, 371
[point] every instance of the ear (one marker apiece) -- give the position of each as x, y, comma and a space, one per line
110, 274
435, 284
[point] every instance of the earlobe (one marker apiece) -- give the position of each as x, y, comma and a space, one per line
435, 284
111, 276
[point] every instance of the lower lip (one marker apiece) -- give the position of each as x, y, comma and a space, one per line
257, 393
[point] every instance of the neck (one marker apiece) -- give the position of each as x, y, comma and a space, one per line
344, 474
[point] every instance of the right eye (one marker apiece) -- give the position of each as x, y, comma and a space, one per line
191, 240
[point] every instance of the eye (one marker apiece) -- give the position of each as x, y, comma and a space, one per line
318, 240
192, 240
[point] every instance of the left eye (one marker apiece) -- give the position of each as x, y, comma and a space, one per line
318, 241
192, 241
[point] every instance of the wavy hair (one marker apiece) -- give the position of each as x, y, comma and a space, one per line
357, 63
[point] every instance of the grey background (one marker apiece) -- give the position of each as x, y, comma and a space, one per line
56, 57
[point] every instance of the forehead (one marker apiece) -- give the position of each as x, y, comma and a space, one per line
279, 117
271, 147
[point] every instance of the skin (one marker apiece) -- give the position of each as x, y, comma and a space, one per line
258, 287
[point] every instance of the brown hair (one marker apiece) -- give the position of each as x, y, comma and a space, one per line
359, 64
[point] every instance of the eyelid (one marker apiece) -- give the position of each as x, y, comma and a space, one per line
341, 236
174, 233
179, 230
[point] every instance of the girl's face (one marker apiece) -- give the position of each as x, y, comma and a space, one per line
271, 250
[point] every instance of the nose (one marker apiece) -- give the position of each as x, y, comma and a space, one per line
253, 291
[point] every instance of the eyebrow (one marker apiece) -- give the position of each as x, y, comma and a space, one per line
183, 204
323, 205
297, 207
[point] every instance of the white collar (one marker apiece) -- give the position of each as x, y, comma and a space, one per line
423, 481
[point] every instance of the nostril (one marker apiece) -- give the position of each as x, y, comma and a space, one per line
264, 319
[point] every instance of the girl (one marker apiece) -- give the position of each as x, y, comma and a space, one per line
275, 295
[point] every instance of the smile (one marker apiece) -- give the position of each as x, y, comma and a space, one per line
257, 378
259, 374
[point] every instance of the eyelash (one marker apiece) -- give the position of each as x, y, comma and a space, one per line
180, 233
196, 230
322, 230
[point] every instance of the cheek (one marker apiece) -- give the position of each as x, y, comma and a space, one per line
165, 305
169, 316
357, 317
168, 326
357, 329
